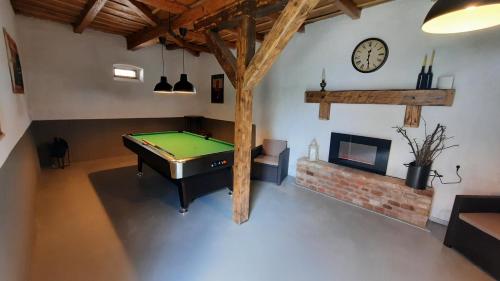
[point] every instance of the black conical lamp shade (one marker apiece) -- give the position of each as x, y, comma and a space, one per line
184, 86
163, 87
456, 16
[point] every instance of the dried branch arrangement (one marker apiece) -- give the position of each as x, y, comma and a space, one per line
432, 146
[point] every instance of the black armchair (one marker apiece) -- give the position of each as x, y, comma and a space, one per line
474, 231
270, 161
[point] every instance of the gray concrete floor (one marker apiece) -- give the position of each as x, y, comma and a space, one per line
98, 221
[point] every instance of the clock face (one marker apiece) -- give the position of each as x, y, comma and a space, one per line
370, 55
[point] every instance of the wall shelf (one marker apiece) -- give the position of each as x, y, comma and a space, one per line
413, 99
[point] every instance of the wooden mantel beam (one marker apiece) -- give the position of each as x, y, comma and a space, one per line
413, 99
223, 55
288, 23
396, 97
349, 8
88, 14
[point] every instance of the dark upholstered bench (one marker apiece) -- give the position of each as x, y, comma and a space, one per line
474, 231
270, 161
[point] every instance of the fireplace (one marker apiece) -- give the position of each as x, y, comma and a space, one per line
364, 153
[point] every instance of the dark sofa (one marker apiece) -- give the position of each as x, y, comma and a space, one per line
474, 231
270, 161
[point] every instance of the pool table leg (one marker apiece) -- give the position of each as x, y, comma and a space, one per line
183, 197
139, 166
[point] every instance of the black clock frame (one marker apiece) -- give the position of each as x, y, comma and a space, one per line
383, 62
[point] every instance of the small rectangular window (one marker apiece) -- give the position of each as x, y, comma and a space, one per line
123, 72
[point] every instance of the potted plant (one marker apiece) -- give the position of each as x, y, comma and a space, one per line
425, 153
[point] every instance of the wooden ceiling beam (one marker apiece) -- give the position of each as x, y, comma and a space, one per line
259, 37
223, 55
229, 18
149, 36
270, 9
349, 8
142, 11
88, 14
167, 5
204, 9
191, 48
187, 19
288, 23
143, 37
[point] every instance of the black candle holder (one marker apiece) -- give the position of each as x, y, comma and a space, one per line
323, 85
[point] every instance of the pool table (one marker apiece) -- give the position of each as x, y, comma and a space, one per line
196, 164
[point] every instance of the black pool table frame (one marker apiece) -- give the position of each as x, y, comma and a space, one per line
193, 177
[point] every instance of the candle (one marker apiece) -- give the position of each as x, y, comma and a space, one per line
323, 75
432, 57
425, 61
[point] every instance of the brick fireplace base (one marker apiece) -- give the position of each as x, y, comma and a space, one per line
382, 194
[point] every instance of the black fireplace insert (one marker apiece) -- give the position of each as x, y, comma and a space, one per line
364, 153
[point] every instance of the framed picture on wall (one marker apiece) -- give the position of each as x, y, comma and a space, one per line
218, 88
16, 73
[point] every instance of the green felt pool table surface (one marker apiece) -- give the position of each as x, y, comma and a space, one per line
184, 144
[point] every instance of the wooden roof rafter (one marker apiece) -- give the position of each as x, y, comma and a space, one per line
142, 11
191, 48
349, 8
88, 14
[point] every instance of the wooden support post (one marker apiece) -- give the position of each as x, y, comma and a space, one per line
412, 116
243, 123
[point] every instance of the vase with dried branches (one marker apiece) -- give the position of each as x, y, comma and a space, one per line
425, 152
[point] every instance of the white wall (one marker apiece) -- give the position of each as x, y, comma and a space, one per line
69, 75
14, 118
16, 193
473, 59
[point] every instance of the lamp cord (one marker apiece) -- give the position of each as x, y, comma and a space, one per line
183, 70
162, 60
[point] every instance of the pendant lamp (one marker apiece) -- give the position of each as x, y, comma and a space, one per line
163, 87
456, 16
184, 86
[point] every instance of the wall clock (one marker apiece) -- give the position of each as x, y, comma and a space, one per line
369, 55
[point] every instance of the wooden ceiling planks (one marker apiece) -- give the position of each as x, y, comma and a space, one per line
143, 21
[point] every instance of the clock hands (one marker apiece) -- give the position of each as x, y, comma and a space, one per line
368, 58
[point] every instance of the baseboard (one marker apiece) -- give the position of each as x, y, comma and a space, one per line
439, 221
